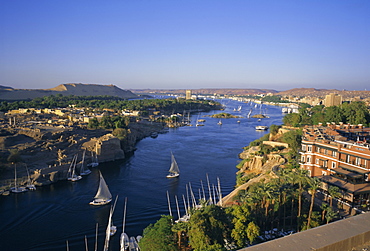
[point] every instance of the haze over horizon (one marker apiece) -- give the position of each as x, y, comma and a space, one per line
166, 44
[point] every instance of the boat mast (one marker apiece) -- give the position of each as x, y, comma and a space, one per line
187, 197
96, 237
209, 190
177, 205
82, 164
169, 205
219, 191
15, 176
186, 210
124, 216
86, 246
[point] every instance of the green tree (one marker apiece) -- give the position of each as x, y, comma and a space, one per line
209, 227
334, 193
324, 207
93, 123
252, 232
333, 114
120, 133
159, 236
274, 129
314, 184
330, 214
180, 228
292, 119
293, 139
106, 122
240, 215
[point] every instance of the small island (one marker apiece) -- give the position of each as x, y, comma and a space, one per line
224, 115
259, 116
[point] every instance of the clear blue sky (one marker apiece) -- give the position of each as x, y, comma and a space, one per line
186, 44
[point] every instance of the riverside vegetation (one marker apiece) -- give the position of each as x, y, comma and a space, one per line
273, 196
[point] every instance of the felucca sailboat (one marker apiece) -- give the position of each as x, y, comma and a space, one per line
103, 195
174, 169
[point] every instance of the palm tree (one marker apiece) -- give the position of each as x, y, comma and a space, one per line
301, 180
297, 177
180, 228
334, 194
314, 184
330, 214
324, 207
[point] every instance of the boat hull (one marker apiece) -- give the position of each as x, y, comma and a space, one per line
86, 172
173, 175
100, 202
261, 128
76, 178
18, 189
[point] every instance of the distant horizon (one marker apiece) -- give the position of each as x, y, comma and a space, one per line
185, 88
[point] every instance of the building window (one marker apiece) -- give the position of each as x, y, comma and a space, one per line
317, 161
358, 161
309, 173
309, 148
326, 151
348, 158
334, 153
325, 163
303, 147
302, 159
318, 149
308, 159
333, 164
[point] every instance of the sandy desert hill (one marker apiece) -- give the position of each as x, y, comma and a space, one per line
8, 93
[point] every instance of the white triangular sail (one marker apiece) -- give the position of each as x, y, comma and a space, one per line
103, 195
103, 191
174, 167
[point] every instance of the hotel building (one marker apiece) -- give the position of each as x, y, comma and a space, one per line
333, 100
339, 155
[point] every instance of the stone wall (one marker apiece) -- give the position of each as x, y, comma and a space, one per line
274, 144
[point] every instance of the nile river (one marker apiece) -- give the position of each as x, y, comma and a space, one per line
47, 218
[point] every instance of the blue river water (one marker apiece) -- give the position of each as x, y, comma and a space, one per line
47, 218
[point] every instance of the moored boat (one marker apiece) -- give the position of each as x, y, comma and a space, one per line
261, 128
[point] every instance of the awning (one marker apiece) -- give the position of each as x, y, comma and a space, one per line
347, 173
354, 169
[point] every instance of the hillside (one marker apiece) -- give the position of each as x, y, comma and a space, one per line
312, 92
297, 92
8, 93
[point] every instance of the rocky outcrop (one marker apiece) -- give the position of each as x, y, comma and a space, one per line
250, 151
48, 153
263, 167
107, 148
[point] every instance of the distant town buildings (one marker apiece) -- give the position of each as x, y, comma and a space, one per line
188, 94
332, 100
311, 100
339, 155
